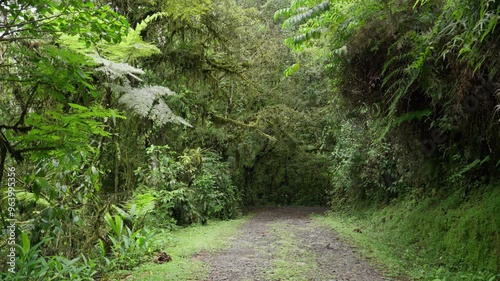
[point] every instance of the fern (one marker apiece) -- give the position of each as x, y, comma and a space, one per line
297, 40
28, 197
129, 49
143, 204
468, 167
413, 115
296, 15
292, 69
117, 70
148, 102
132, 46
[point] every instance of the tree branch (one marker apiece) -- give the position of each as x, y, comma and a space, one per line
241, 124
27, 105
5, 143
36, 148
21, 129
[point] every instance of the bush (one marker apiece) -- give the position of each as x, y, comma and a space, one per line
189, 188
128, 245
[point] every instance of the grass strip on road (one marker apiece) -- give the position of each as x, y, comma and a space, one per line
182, 245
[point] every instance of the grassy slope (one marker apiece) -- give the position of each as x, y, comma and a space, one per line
432, 239
182, 245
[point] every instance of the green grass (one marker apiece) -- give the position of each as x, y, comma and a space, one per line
432, 239
292, 261
182, 245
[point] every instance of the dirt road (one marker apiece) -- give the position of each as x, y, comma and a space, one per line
285, 244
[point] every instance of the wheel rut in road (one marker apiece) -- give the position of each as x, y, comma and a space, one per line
283, 243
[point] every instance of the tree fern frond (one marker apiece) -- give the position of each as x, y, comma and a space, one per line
147, 102
142, 25
141, 100
292, 69
282, 13
162, 114
412, 115
312, 34
116, 69
74, 43
132, 46
143, 204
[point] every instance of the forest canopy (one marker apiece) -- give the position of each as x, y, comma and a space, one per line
121, 117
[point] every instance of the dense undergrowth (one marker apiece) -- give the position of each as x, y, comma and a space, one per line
415, 153
182, 244
119, 121
438, 238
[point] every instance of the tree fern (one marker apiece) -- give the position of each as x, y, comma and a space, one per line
111, 59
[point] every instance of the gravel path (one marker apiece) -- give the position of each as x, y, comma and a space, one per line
282, 243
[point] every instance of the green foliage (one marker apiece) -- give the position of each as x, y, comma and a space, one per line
81, 269
421, 64
58, 117
46, 18
450, 238
460, 174
142, 204
286, 265
182, 244
132, 47
311, 137
57, 129
32, 265
412, 115
128, 245
56, 190
300, 15
113, 61
292, 69
362, 168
